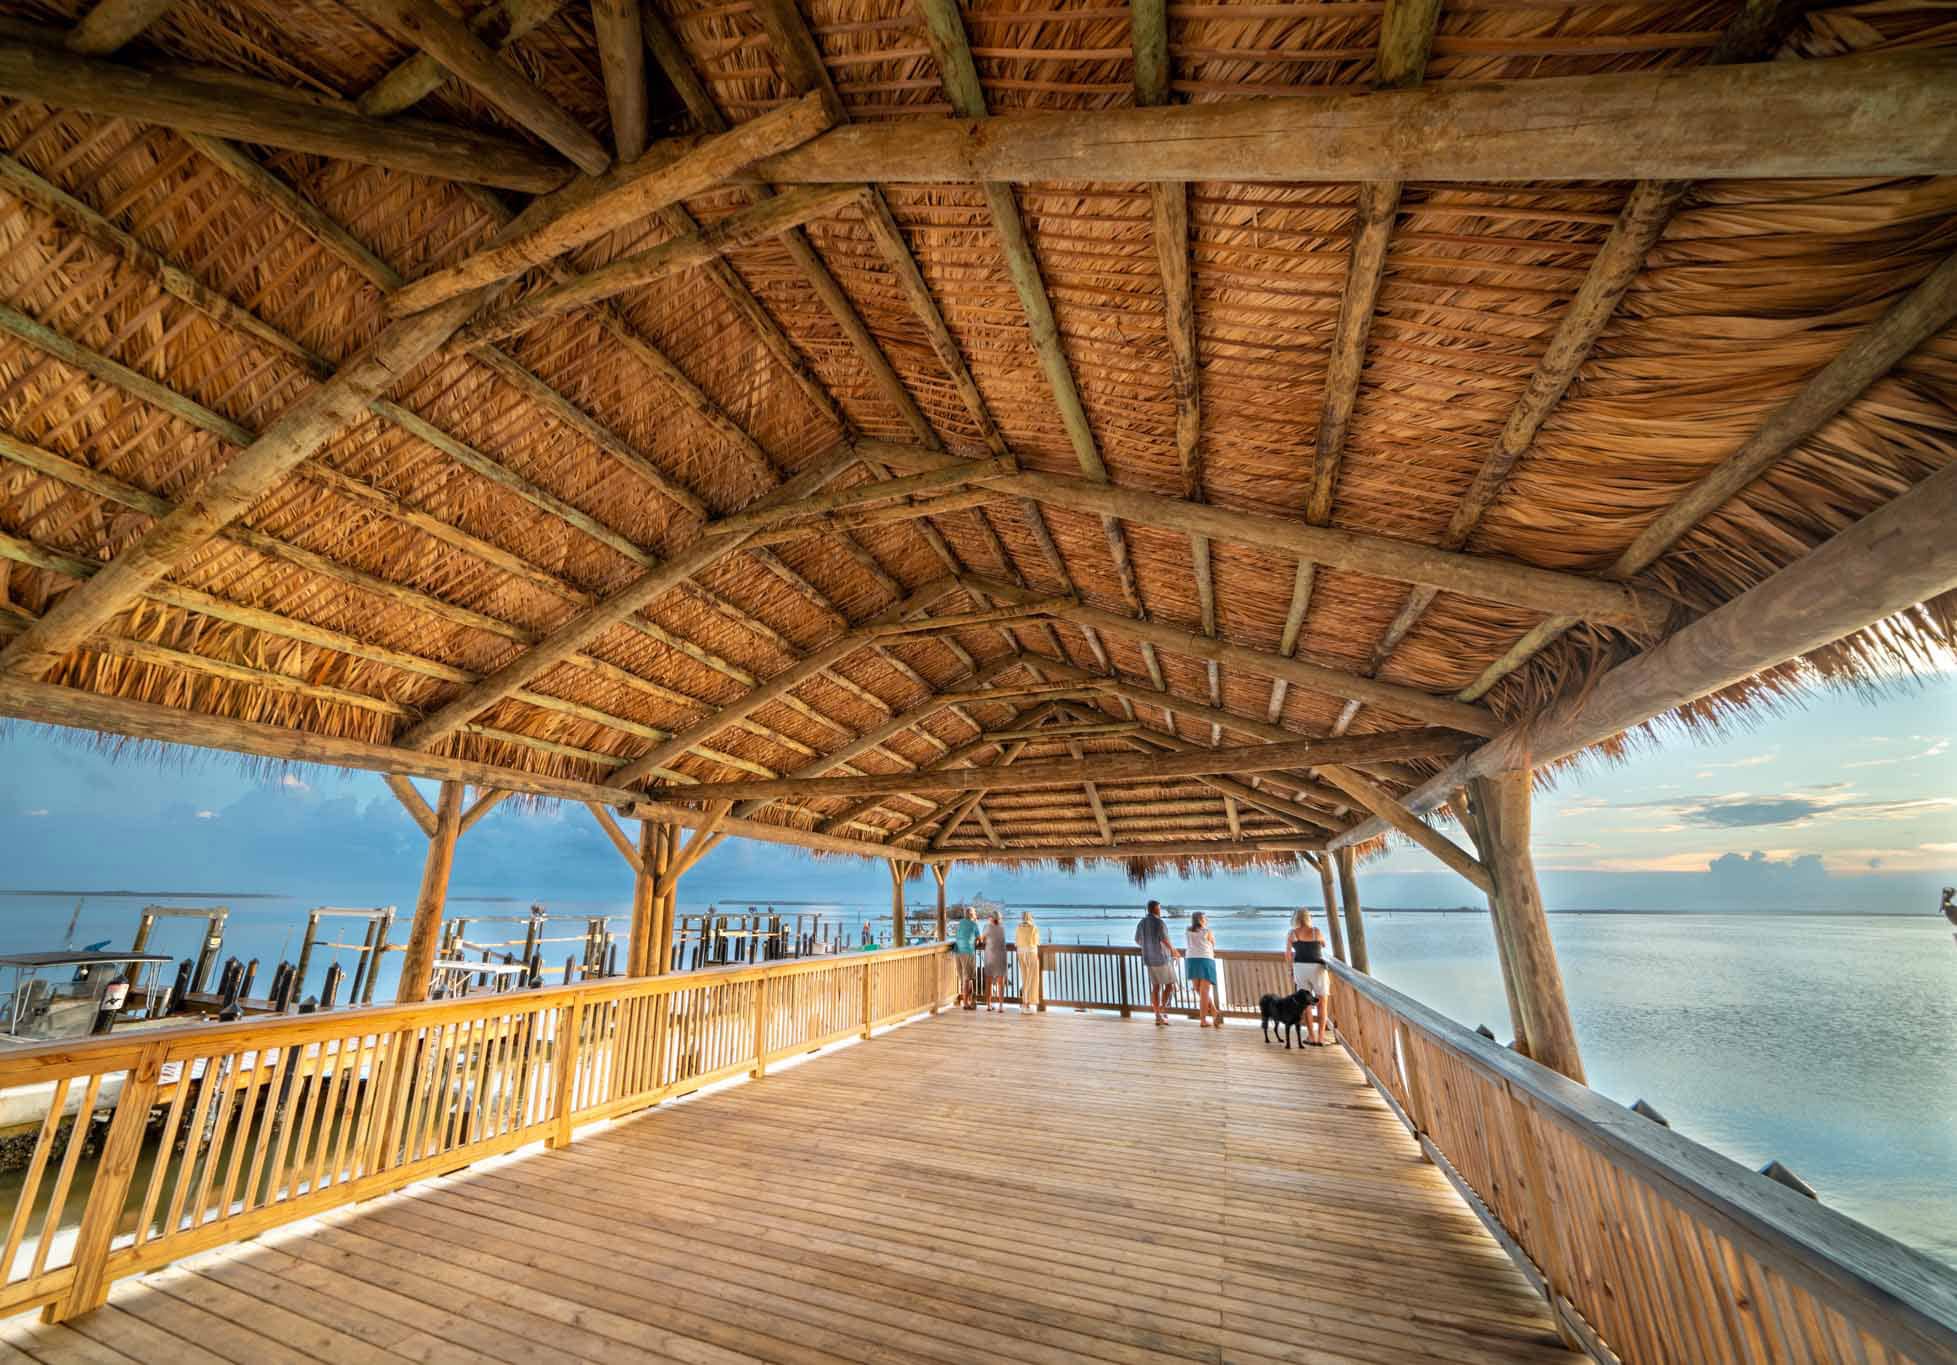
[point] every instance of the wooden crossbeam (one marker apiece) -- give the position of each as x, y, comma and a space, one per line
1889, 561
209, 104
446, 38
1406, 700
1111, 768
1167, 848
768, 218
589, 208
1114, 729
1381, 556
1878, 115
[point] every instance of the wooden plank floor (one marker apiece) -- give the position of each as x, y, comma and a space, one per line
1054, 1187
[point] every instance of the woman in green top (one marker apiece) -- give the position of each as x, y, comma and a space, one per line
964, 951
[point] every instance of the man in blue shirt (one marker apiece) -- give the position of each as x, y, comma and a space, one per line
1158, 959
964, 951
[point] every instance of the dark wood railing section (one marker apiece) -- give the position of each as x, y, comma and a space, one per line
263, 1123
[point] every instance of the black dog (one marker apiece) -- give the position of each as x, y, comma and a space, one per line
1288, 1013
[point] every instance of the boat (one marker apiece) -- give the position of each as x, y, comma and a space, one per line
1950, 907
64, 995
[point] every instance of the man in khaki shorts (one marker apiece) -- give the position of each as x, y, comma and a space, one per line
1158, 959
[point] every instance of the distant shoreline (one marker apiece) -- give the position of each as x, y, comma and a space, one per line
163, 895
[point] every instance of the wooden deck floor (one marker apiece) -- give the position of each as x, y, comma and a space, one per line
1045, 1188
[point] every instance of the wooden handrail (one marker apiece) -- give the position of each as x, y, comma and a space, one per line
1667, 1250
271, 1120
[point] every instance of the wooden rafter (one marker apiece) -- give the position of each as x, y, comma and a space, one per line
111, 23
622, 57
1109, 768
1165, 848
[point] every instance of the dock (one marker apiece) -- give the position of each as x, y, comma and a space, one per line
1186, 1196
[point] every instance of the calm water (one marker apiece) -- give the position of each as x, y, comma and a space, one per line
1827, 1041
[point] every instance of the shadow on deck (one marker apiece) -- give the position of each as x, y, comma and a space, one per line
1049, 1187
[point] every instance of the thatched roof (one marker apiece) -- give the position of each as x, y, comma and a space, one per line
1481, 374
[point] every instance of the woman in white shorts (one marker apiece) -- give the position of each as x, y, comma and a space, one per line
1307, 949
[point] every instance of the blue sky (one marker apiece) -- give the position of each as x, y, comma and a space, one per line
1844, 802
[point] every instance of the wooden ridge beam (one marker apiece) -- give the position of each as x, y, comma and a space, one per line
1898, 556
589, 208
1869, 355
1174, 848
421, 75
446, 38
1113, 729
1405, 700
769, 218
1112, 768
1884, 114
47, 704
204, 103
1494, 580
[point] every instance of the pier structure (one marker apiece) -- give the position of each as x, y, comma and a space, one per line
1191, 438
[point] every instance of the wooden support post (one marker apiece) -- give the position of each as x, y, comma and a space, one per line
938, 871
760, 1028
1471, 824
570, 1021
121, 1150
869, 992
1355, 926
645, 904
896, 903
418, 962
1331, 906
1503, 805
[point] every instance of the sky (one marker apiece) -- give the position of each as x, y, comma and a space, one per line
1842, 802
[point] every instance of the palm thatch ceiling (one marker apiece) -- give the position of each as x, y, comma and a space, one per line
998, 432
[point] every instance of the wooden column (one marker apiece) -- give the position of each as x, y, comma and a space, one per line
666, 872
1471, 825
645, 903
1502, 803
896, 903
1331, 906
938, 871
419, 960
1355, 927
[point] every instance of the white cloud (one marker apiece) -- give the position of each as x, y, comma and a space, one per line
294, 784
37, 814
207, 815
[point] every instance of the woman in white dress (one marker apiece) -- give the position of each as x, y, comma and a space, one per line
1199, 964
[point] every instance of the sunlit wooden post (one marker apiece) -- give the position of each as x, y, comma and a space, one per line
938, 871
419, 960
1324, 864
1502, 806
896, 902
1355, 926
1470, 819
639, 958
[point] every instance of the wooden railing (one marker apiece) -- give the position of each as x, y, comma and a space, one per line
1645, 1242
218, 1132
1084, 976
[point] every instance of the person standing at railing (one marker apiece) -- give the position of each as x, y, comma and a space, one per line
964, 951
1026, 943
1309, 973
1158, 960
994, 940
1199, 962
